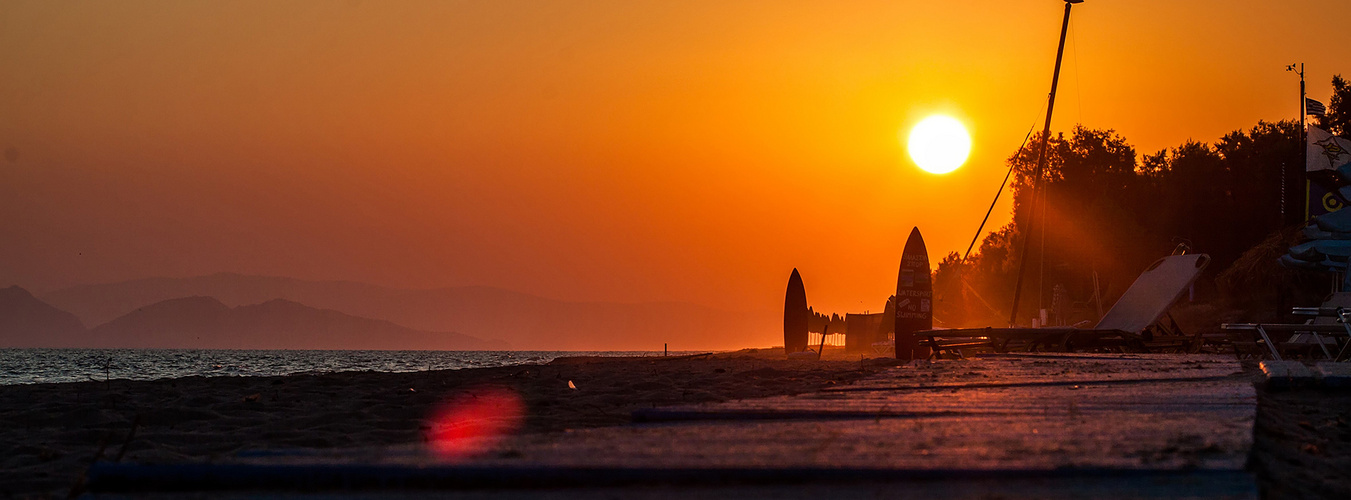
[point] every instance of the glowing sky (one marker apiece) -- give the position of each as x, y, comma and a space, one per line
586, 150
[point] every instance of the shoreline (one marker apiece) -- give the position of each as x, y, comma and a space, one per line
66, 365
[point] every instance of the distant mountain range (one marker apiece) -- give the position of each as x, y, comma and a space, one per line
524, 321
26, 321
206, 323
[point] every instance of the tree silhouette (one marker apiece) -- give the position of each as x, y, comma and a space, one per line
1106, 214
1338, 117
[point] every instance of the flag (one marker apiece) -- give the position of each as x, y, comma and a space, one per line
1328, 166
1322, 201
1314, 107
1328, 153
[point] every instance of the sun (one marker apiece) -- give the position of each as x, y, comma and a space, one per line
939, 144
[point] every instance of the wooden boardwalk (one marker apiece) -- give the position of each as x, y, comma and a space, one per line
992, 413
1060, 425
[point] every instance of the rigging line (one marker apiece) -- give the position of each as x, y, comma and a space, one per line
1078, 85
961, 263
996, 195
1041, 160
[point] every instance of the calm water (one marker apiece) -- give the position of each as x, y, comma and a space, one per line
36, 366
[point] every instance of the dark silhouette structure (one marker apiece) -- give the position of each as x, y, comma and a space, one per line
909, 311
863, 330
795, 315
914, 298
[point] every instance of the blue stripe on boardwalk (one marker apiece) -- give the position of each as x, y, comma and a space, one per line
126, 478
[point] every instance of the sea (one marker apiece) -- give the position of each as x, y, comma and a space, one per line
41, 366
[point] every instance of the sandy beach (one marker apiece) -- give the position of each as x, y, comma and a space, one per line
52, 432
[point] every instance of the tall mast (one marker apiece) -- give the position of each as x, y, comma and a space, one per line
1041, 163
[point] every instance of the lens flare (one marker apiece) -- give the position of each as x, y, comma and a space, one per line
474, 422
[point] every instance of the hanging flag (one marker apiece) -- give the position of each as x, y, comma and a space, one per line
1314, 107
1328, 165
1327, 152
1322, 201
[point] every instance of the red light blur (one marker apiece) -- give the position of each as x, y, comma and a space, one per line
474, 422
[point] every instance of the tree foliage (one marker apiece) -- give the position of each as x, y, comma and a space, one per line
1107, 213
1338, 117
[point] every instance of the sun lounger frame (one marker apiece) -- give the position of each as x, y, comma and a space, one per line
1333, 330
1140, 317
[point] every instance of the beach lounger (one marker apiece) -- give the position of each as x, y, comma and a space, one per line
1329, 330
1139, 320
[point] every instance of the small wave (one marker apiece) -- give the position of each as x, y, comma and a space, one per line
33, 366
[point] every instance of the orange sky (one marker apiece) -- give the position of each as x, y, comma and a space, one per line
605, 150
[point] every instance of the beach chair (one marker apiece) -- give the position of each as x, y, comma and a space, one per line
1329, 329
1138, 321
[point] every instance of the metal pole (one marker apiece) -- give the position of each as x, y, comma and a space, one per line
1041, 161
1303, 139
1303, 112
1285, 171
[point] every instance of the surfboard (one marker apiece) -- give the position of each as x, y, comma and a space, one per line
795, 315
914, 298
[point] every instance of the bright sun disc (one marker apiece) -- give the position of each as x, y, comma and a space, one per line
939, 144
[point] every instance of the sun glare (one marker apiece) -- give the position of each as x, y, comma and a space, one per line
939, 144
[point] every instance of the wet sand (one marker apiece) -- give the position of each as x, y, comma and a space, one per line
50, 433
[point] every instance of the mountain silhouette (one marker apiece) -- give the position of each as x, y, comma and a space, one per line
26, 321
525, 321
207, 323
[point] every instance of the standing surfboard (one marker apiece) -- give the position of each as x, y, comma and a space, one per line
914, 298
795, 315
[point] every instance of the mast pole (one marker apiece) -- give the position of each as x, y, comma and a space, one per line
1041, 162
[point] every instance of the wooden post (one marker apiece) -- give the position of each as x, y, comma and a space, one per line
822, 349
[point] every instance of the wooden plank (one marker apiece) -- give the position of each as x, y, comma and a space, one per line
1037, 413
1333, 375
1068, 419
451, 481
1282, 374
